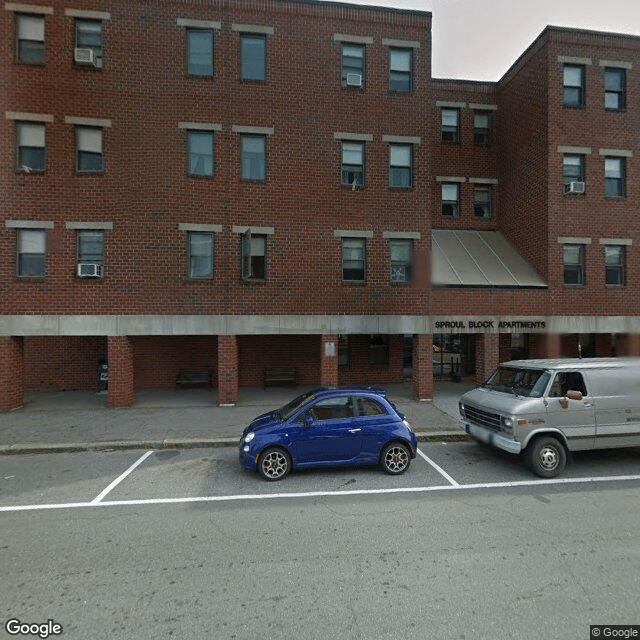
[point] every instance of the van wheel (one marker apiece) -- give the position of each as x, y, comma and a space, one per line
546, 457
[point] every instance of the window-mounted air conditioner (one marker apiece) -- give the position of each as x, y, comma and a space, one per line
574, 187
89, 270
354, 80
84, 56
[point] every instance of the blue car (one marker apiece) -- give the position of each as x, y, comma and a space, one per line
329, 427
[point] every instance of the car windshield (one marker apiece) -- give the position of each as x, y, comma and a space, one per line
529, 383
284, 413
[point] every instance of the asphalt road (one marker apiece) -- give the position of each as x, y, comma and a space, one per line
182, 544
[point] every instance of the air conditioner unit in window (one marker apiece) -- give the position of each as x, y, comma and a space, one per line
574, 187
89, 270
84, 56
354, 80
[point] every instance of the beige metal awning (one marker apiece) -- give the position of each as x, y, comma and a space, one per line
466, 258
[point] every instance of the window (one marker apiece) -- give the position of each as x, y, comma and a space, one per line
573, 261
450, 198
353, 164
482, 202
400, 64
353, 259
200, 255
253, 157
400, 259
90, 246
30, 146
352, 65
450, 125
482, 128
89, 155
400, 169
31, 253
200, 52
614, 177
614, 89
572, 169
89, 36
573, 82
333, 409
344, 351
378, 349
200, 153
567, 381
369, 407
29, 38
614, 264
253, 57
253, 250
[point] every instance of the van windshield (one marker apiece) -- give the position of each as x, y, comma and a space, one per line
529, 383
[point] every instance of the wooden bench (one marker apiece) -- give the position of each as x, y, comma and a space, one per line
280, 376
203, 377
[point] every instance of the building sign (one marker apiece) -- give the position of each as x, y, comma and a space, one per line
488, 325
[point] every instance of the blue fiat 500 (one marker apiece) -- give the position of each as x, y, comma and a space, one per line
329, 427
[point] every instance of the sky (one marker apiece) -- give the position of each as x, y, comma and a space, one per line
481, 39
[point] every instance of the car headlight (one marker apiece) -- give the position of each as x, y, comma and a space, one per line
406, 424
249, 437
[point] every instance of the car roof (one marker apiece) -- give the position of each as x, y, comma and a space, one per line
572, 363
353, 389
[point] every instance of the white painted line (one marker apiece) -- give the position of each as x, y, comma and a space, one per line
439, 469
120, 478
316, 494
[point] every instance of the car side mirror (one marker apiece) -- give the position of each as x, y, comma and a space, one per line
308, 419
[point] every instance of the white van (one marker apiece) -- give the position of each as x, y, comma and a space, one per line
546, 408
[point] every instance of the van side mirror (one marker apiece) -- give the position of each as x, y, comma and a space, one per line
574, 395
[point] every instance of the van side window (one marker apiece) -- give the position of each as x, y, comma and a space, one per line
567, 381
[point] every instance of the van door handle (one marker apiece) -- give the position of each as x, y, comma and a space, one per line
354, 430
588, 404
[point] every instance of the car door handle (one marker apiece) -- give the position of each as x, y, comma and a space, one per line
354, 430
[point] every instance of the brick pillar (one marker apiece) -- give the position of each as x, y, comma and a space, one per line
487, 355
11, 372
120, 361
227, 370
628, 344
329, 361
422, 373
504, 347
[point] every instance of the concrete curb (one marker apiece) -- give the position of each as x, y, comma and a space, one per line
176, 443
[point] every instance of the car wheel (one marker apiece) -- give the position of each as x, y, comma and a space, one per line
395, 458
275, 464
546, 457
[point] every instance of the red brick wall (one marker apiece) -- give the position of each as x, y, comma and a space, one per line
159, 359
145, 92
257, 353
12, 373
63, 363
360, 371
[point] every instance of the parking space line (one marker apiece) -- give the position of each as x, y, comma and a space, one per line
332, 494
120, 478
439, 469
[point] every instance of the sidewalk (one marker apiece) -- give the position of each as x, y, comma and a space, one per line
183, 418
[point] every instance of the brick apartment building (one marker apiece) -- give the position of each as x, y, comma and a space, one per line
233, 186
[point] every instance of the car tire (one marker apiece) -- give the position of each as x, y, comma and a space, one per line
395, 458
546, 457
274, 464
